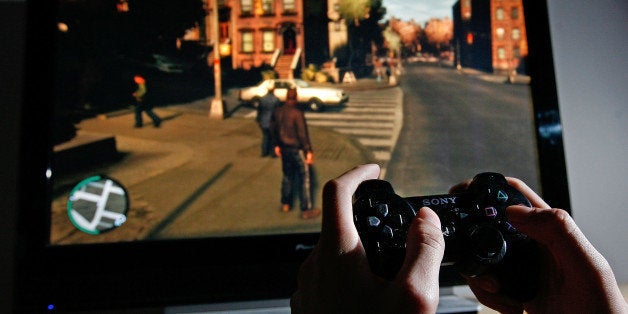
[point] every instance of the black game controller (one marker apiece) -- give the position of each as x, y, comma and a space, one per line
478, 237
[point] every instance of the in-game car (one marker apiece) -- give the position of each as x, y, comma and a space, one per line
312, 97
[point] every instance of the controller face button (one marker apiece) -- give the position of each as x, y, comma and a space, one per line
502, 197
490, 211
509, 227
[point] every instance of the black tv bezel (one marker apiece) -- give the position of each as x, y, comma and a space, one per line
154, 274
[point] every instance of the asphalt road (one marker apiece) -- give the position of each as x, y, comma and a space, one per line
456, 125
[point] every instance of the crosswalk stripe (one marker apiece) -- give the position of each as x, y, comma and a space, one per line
382, 155
359, 110
372, 104
375, 142
386, 98
369, 100
345, 117
363, 131
370, 119
344, 124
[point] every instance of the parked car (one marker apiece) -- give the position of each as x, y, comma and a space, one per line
311, 97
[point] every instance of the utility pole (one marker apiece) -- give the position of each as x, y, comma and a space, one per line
216, 111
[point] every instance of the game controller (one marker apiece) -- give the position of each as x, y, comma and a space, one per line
479, 239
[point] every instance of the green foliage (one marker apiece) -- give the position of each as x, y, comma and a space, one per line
321, 77
354, 10
393, 40
363, 28
313, 73
309, 73
268, 74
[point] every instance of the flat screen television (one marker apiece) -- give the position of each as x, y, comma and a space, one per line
174, 240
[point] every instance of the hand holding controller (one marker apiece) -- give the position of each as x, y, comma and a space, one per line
478, 237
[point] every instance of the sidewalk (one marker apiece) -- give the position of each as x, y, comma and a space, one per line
197, 176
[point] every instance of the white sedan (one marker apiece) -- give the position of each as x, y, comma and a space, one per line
313, 97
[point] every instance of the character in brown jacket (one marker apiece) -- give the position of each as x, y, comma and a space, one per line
292, 142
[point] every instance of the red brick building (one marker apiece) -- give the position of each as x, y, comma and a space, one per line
257, 32
490, 35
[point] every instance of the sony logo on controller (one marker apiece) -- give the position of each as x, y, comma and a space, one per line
439, 201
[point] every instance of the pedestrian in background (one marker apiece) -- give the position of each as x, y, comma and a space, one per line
292, 142
267, 105
141, 105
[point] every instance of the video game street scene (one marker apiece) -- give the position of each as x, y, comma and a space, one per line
169, 115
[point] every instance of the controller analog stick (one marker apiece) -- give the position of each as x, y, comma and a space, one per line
487, 244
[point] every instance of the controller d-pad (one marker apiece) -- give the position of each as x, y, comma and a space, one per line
396, 221
385, 223
382, 221
373, 222
388, 233
382, 209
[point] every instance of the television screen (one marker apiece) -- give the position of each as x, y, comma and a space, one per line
148, 183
